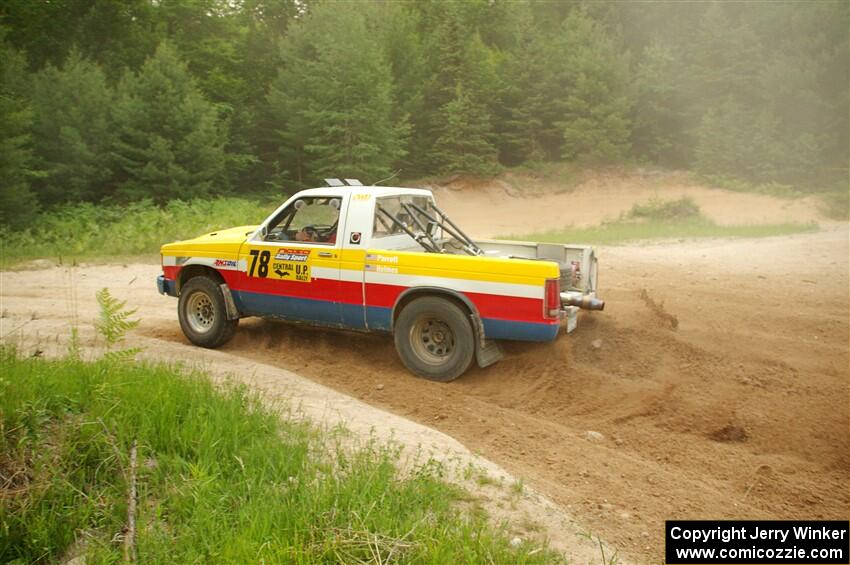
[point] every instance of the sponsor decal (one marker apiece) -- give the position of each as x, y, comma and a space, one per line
297, 255
287, 265
382, 269
226, 264
354, 238
291, 271
259, 263
385, 259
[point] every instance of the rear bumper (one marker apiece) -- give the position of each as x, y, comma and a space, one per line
166, 286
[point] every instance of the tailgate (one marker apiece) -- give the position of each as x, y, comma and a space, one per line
578, 263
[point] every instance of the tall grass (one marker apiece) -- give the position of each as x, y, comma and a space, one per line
770, 188
660, 219
221, 478
86, 230
835, 205
835, 198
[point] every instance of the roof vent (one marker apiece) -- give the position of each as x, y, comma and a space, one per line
353, 182
334, 182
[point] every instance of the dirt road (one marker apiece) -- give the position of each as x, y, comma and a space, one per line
716, 380
510, 204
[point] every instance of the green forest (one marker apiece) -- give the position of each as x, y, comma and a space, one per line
118, 101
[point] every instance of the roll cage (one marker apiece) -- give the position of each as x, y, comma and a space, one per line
421, 225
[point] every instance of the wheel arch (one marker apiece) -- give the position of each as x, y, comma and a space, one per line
487, 351
191, 271
454, 296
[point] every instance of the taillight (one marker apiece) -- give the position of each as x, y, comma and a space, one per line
552, 299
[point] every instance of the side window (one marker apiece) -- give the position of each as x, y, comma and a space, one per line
311, 220
383, 226
388, 208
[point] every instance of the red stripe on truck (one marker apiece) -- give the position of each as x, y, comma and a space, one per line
494, 306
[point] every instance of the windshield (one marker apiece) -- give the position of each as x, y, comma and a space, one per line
309, 219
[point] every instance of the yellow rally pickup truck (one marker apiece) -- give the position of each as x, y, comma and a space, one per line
375, 258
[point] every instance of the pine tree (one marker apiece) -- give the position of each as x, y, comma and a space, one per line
659, 111
463, 74
595, 123
723, 60
464, 146
73, 132
803, 85
169, 141
18, 204
541, 80
521, 128
334, 99
406, 56
446, 33
734, 142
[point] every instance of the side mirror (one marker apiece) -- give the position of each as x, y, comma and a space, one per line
264, 231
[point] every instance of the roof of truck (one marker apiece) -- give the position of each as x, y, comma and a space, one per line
376, 191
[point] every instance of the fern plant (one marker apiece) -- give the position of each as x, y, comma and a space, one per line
74, 345
114, 322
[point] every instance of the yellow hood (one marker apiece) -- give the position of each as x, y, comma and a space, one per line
219, 241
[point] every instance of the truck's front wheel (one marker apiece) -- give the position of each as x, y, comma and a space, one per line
434, 339
203, 315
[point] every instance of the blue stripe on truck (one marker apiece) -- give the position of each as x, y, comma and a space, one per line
323, 312
336, 314
520, 331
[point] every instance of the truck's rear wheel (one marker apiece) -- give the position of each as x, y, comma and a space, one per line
434, 339
203, 315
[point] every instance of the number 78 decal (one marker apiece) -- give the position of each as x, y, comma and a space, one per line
288, 264
264, 256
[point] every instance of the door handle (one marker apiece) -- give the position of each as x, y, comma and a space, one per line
325, 254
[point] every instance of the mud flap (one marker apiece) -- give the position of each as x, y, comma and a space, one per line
229, 304
487, 351
571, 315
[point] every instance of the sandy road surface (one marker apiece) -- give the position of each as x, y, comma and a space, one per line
722, 391
510, 204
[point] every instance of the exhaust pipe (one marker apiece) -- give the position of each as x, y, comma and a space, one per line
584, 301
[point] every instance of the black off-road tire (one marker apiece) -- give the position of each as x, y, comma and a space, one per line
203, 314
434, 339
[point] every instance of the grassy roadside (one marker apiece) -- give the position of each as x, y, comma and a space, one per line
87, 230
221, 478
616, 232
114, 233
660, 219
834, 200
